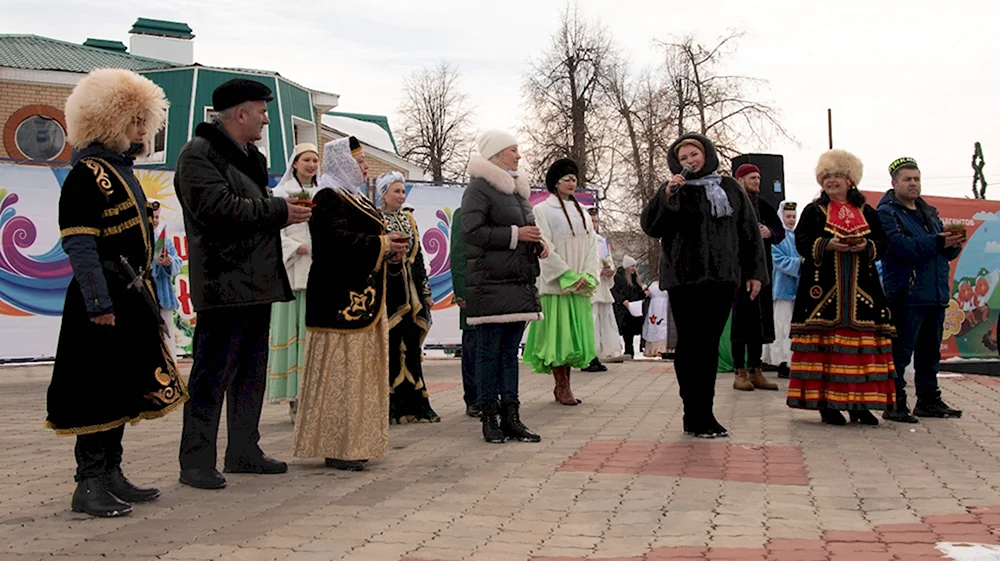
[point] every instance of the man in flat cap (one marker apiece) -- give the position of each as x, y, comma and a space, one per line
915, 276
236, 271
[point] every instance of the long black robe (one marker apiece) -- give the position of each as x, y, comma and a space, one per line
105, 376
753, 320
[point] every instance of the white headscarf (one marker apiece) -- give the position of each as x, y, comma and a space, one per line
386, 180
340, 170
781, 216
299, 150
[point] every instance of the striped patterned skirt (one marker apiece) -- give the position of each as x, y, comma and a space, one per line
846, 370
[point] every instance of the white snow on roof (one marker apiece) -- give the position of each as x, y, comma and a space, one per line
368, 133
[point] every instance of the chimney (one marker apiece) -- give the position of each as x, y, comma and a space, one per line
163, 40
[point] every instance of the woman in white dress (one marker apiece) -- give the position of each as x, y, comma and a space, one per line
288, 319
654, 330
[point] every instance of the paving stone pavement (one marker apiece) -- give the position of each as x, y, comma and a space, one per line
612, 479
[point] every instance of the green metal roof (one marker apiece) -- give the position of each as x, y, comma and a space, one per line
114, 46
32, 52
380, 120
162, 28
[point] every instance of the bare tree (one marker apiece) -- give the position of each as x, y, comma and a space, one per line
716, 104
564, 97
436, 122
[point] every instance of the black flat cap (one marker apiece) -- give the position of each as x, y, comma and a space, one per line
237, 91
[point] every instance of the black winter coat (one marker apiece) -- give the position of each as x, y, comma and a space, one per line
232, 223
500, 271
753, 320
698, 247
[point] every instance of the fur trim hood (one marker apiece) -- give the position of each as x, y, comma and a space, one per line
500, 180
106, 101
839, 163
711, 156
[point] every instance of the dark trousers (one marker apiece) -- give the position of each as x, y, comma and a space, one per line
470, 392
230, 363
700, 312
98, 453
496, 361
631, 328
750, 350
918, 337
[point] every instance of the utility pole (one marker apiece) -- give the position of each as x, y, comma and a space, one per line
829, 126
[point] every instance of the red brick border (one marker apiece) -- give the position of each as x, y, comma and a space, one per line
10, 130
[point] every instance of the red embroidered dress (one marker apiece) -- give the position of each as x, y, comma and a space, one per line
841, 325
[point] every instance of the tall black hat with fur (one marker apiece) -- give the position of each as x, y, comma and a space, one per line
558, 170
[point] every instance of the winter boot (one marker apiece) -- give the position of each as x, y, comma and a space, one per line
562, 391
742, 381
595, 366
92, 497
784, 371
491, 424
119, 486
864, 417
934, 406
511, 425
899, 412
832, 417
759, 382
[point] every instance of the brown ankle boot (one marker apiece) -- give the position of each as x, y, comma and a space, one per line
742, 381
760, 382
562, 391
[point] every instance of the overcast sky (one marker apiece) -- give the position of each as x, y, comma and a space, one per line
915, 78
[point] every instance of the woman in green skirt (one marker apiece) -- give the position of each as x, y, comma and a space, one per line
288, 319
564, 339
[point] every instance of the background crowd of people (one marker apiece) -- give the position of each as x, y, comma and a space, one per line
312, 294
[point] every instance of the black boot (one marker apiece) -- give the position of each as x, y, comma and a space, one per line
473, 411
92, 497
832, 417
899, 412
934, 406
784, 371
346, 465
595, 366
119, 486
511, 426
491, 424
864, 417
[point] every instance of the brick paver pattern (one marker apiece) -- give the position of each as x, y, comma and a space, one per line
613, 479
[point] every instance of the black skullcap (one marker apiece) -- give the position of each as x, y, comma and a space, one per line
237, 91
354, 144
904, 162
558, 170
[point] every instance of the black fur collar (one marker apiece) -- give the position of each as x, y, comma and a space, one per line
252, 163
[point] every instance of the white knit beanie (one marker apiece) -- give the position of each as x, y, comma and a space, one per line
628, 262
493, 142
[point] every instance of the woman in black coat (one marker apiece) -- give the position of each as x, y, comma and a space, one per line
503, 247
628, 289
711, 248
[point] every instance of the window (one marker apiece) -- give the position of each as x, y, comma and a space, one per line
40, 138
262, 144
303, 131
158, 155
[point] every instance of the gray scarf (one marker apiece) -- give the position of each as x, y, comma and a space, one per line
715, 193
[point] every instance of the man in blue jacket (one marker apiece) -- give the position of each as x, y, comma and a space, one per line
916, 282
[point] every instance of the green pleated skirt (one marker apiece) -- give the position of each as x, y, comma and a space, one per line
287, 350
564, 337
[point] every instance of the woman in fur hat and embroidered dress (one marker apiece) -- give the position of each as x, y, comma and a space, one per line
409, 301
112, 363
564, 338
343, 411
288, 319
841, 328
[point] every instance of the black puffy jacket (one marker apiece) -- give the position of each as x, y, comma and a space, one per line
500, 273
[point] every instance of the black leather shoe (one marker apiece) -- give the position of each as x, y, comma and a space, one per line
203, 478
264, 464
346, 465
121, 487
473, 411
92, 497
